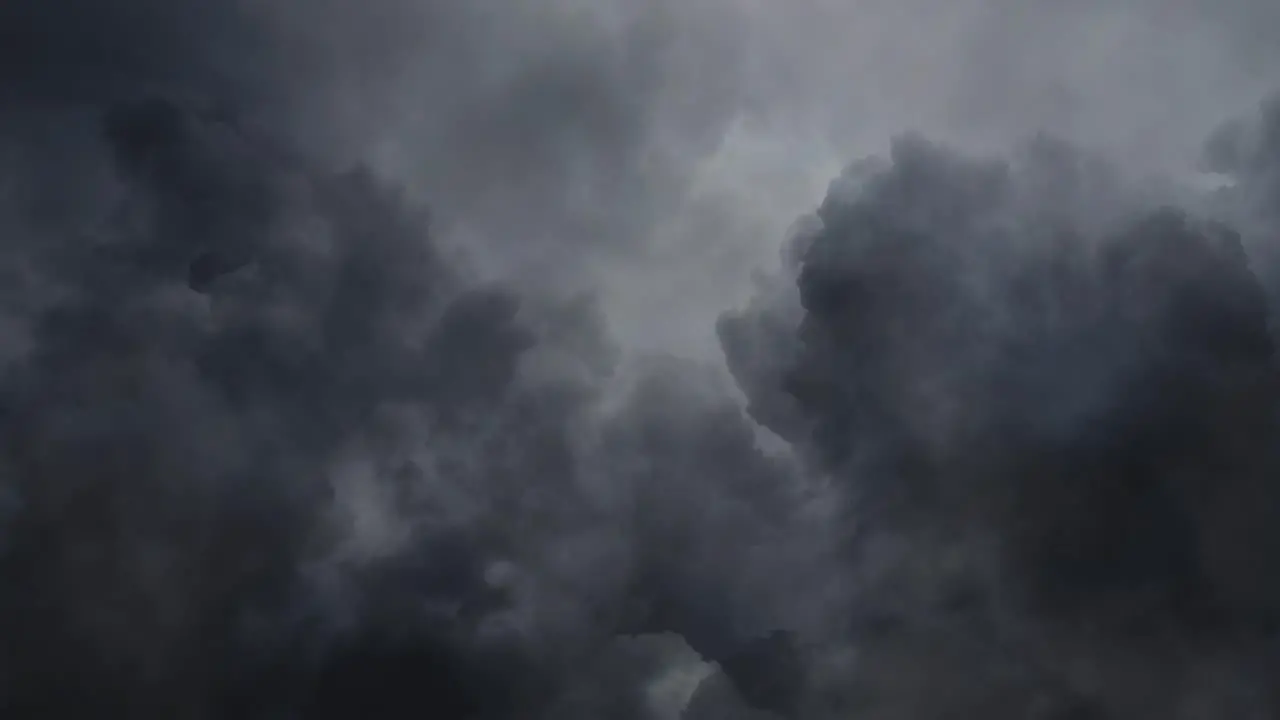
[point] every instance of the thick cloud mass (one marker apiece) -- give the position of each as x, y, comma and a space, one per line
269, 451
1058, 440
276, 442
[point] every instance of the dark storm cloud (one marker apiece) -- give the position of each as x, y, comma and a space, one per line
188, 390
551, 136
271, 447
269, 450
1055, 421
81, 51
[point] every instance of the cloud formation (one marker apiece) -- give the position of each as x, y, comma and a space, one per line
1054, 417
318, 391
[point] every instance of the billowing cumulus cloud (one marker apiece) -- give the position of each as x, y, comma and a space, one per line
271, 449
364, 360
1053, 413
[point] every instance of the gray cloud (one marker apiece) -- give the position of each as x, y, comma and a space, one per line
1054, 414
284, 438
272, 448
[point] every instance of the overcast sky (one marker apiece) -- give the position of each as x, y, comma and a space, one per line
652, 152
687, 136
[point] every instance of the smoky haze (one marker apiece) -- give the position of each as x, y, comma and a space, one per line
637, 359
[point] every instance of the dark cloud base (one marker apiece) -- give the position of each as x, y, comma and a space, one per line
268, 451
201, 365
1064, 441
